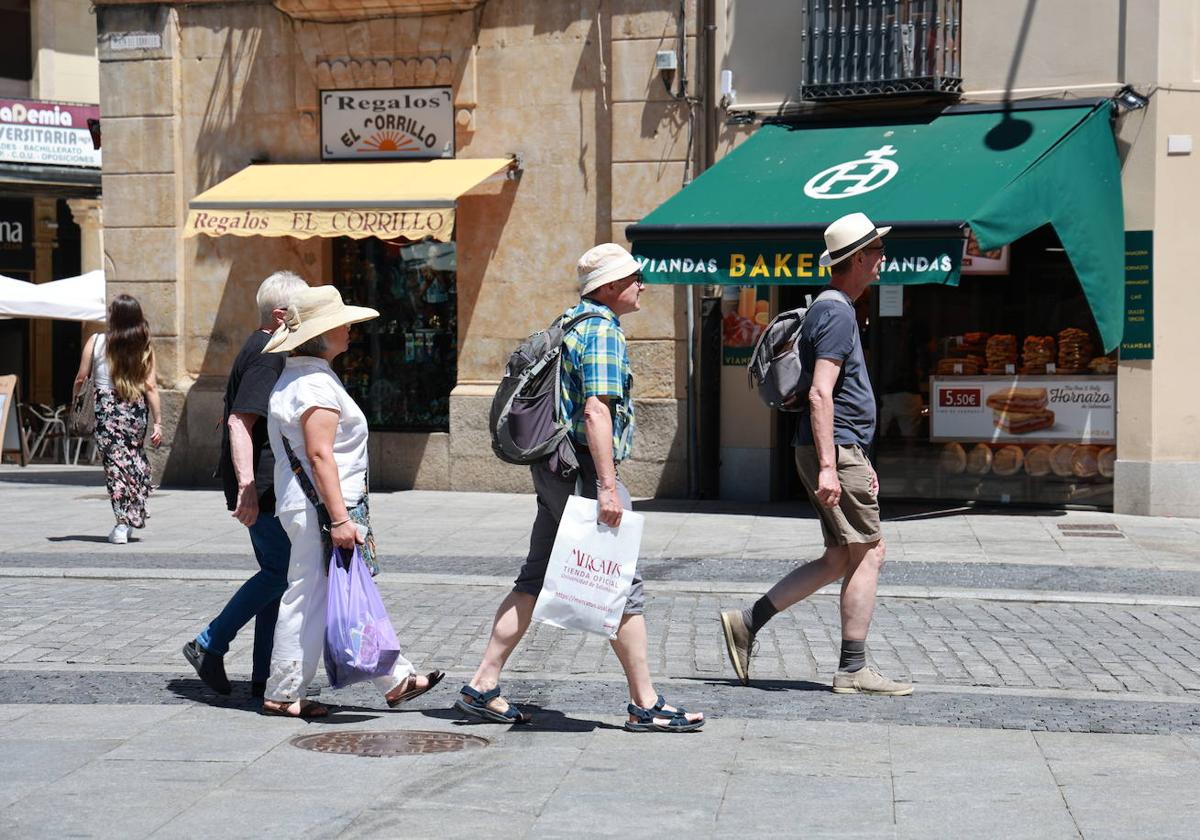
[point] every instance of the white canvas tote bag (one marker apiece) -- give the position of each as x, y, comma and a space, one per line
590, 571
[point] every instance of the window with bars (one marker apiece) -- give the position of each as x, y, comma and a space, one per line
872, 48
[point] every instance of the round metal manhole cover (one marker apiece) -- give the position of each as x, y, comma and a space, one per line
385, 744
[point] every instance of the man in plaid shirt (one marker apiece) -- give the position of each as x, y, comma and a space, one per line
596, 390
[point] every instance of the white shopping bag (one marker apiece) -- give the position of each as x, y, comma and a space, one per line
590, 571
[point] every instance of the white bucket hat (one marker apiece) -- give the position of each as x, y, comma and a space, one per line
312, 312
604, 264
849, 235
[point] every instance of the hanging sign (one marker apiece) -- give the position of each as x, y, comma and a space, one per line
53, 133
1138, 339
387, 123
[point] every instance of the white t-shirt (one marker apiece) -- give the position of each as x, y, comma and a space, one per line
101, 376
308, 382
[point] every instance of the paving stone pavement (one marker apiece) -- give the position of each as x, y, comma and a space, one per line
1103, 648
1034, 716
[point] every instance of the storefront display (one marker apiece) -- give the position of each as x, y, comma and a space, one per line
401, 366
995, 391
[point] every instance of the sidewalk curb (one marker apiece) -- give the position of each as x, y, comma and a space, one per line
395, 579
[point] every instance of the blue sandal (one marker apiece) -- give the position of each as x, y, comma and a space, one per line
677, 719
478, 707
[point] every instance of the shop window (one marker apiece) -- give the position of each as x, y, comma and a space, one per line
401, 367
16, 41
996, 391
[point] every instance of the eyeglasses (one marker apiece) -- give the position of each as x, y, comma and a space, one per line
637, 278
878, 248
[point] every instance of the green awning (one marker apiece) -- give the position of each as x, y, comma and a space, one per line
757, 215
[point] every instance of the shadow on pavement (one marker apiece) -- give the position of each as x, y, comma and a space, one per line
77, 477
92, 538
544, 720
761, 685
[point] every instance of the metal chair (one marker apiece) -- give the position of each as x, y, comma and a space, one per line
53, 430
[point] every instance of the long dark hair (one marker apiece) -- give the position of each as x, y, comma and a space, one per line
128, 347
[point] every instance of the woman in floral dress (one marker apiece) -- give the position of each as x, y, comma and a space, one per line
121, 363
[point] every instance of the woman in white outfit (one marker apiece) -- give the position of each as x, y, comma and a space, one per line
311, 413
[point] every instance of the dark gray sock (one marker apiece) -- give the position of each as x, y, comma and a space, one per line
759, 614
854, 656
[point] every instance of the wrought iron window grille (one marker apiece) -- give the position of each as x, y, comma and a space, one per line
857, 49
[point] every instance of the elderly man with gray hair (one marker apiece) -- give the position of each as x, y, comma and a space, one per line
246, 468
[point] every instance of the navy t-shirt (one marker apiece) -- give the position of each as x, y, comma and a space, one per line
248, 392
830, 331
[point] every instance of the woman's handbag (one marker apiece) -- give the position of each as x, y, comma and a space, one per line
81, 422
360, 513
360, 642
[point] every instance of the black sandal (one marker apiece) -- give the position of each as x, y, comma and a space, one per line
647, 719
478, 706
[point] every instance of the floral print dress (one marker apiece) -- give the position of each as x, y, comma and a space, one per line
121, 439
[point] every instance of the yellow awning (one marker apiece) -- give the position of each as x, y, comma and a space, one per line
411, 199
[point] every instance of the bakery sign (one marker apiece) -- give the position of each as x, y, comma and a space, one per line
387, 123
50, 133
1024, 409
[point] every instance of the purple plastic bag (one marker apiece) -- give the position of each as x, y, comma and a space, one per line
360, 642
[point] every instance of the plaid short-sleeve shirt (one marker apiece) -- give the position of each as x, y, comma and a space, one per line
596, 364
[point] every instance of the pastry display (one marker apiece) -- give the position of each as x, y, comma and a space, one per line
953, 458
1037, 460
1061, 459
1103, 366
1037, 351
959, 366
1074, 350
1000, 351
1007, 460
974, 344
1085, 461
1106, 460
979, 459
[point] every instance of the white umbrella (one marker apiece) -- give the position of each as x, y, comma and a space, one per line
72, 299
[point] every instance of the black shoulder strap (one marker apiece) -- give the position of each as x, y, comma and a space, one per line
579, 319
310, 492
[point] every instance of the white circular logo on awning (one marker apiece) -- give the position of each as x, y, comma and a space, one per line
854, 177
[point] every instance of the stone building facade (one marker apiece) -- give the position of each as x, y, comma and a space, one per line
570, 88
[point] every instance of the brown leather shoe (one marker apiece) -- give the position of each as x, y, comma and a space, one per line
738, 641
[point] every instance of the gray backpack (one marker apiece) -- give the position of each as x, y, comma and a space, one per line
526, 420
775, 369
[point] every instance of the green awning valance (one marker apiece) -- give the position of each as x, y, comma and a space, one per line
757, 215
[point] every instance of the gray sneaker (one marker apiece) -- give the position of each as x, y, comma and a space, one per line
868, 681
738, 642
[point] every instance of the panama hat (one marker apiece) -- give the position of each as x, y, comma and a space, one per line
849, 235
604, 264
312, 312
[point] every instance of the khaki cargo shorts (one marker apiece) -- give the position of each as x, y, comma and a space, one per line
856, 517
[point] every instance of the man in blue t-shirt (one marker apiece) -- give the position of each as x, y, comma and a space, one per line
831, 445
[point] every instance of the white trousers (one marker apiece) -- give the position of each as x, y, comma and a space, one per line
300, 629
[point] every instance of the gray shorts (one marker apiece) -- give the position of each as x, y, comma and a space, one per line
856, 517
552, 494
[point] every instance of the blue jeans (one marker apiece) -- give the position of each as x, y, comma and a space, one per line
258, 598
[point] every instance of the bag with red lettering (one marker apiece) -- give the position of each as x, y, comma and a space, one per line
590, 570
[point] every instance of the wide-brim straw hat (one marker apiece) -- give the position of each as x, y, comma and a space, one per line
312, 312
849, 235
